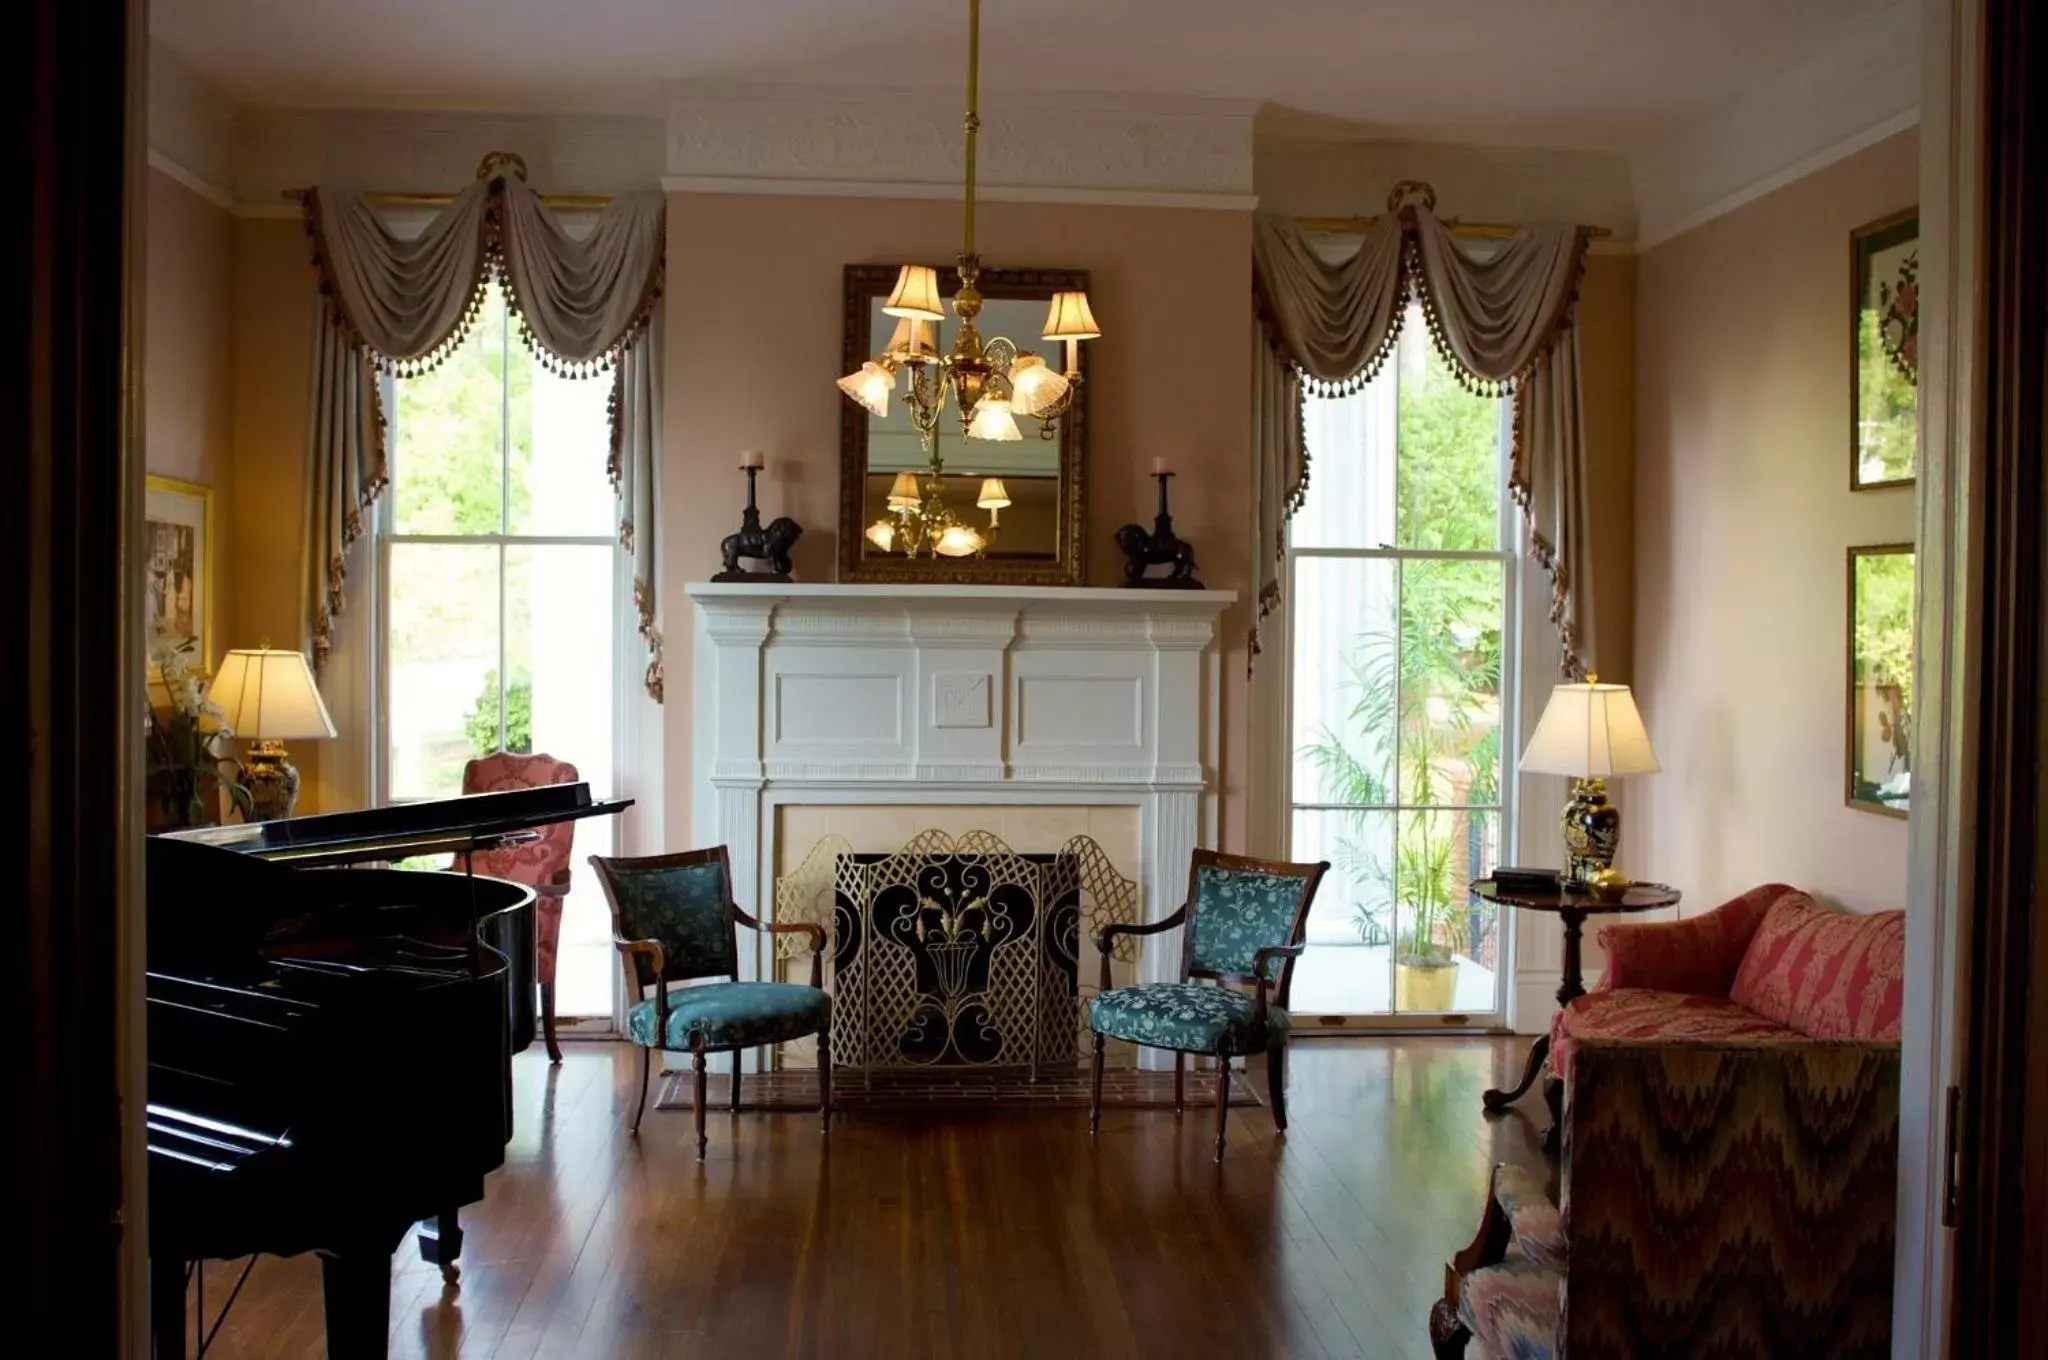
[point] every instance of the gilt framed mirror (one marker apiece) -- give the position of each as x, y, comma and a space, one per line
1022, 501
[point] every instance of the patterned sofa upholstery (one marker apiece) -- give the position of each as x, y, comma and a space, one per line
1730, 1152
1771, 966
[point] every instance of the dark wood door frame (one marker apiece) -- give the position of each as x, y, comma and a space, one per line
70, 681
1999, 1208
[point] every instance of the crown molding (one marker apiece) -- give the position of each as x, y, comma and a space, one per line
1080, 147
191, 126
1851, 95
218, 197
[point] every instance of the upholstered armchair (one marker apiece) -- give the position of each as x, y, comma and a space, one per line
541, 864
674, 921
1241, 917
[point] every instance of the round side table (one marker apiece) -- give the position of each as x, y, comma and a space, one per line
1572, 906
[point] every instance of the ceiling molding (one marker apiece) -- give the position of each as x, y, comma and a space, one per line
1080, 147
1850, 95
191, 125
218, 197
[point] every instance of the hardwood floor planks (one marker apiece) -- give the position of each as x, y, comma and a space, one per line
959, 1236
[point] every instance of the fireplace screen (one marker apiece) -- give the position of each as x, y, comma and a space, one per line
958, 953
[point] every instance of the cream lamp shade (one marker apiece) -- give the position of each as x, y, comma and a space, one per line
994, 495
1590, 731
903, 492
269, 695
912, 340
1070, 319
1034, 388
870, 385
916, 294
993, 420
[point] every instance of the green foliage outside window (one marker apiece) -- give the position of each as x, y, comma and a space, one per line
481, 724
1435, 679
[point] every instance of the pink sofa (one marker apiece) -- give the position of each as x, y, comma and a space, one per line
1773, 965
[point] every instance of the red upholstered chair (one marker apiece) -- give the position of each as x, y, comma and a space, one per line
543, 864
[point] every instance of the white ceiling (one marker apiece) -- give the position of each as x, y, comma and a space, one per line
1610, 75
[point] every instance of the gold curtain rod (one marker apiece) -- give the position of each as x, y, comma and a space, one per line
1458, 228
396, 199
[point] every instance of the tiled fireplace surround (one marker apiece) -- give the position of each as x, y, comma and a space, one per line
1035, 713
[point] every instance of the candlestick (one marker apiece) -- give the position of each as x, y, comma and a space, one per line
1160, 468
753, 458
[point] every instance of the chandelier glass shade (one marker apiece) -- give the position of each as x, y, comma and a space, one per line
989, 383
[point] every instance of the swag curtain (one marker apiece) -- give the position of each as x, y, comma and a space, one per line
1503, 319
400, 306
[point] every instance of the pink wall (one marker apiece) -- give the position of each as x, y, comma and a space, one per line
188, 357
753, 343
1743, 519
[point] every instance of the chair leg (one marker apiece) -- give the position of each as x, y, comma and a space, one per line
646, 1058
1276, 1085
824, 1081
1222, 1101
1180, 1083
1447, 1335
547, 1021
1095, 1092
1553, 1096
697, 1059
736, 1081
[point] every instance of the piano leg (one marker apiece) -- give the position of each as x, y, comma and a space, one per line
167, 1308
356, 1286
441, 1243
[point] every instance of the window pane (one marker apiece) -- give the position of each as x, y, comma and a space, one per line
443, 665
447, 456
560, 446
1350, 440
1347, 968
1451, 617
558, 650
1343, 738
1447, 478
1446, 945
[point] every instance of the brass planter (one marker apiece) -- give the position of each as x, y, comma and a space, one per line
1425, 984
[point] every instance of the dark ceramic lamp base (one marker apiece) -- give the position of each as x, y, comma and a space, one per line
272, 781
1592, 831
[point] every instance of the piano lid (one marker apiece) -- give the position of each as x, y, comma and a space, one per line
477, 821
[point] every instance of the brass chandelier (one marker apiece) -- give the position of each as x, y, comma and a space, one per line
990, 383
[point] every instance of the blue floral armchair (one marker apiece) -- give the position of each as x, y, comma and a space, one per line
1241, 915
674, 920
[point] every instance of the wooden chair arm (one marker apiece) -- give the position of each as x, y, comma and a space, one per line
630, 952
1105, 938
1266, 984
812, 931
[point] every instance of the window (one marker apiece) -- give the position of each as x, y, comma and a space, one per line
500, 603
1402, 592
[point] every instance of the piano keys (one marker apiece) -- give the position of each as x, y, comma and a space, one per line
330, 1045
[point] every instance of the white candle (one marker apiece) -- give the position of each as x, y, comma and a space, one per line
1159, 467
753, 458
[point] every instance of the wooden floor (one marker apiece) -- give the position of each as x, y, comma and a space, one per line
954, 1235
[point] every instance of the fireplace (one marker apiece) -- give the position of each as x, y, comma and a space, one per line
1035, 713
957, 953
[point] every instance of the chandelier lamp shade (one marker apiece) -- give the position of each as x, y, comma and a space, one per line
990, 383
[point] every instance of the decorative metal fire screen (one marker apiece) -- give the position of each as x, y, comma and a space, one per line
957, 954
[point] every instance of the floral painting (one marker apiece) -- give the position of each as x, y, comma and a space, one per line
1881, 586
1885, 288
176, 565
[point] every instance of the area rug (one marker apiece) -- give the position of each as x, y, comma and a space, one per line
1122, 1087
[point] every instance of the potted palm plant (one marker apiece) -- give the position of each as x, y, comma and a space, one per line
1433, 929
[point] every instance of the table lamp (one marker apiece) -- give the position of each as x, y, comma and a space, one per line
1590, 732
269, 698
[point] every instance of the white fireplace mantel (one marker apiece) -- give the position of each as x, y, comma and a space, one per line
964, 695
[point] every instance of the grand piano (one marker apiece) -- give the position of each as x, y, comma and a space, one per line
330, 1044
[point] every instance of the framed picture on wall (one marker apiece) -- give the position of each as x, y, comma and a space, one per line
1880, 699
178, 567
1884, 270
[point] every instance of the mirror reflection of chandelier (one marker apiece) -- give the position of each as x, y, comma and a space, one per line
990, 383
